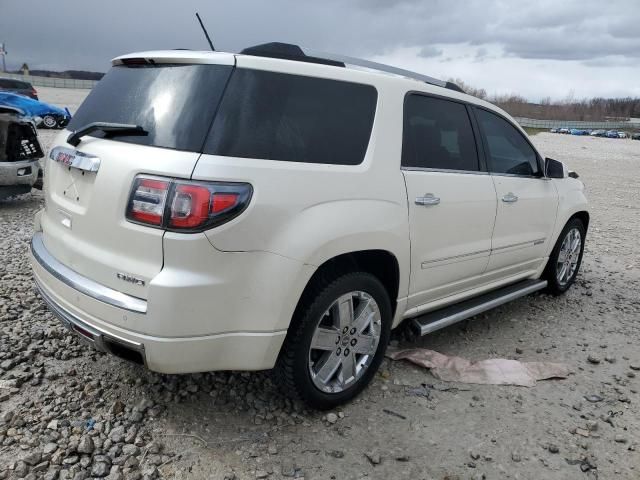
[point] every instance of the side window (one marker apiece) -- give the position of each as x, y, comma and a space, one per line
508, 151
437, 134
294, 118
4, 83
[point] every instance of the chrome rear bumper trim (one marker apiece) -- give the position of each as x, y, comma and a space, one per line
81, 283
95, 337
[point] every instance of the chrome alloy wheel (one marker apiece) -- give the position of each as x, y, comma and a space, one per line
568, 256
49, 121
345, 342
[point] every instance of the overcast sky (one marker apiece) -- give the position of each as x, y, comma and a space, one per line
536, 48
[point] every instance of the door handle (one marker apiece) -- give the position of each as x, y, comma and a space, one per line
510, 198
428, 199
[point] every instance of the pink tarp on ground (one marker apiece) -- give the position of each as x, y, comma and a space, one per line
494, 371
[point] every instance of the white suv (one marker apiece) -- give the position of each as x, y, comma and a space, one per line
275, 208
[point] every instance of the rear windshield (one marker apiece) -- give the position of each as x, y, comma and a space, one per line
294, 118
175, 104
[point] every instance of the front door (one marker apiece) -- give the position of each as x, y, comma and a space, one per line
527, 202
452, 201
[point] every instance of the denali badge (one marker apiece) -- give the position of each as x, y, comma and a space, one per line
130, 279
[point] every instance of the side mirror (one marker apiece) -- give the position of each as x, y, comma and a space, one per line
553, 168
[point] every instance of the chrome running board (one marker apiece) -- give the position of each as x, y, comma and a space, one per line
432, 321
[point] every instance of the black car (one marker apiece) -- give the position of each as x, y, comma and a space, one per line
18, 86
635, 136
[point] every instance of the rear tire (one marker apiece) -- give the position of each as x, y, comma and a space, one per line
565, 259
336, 340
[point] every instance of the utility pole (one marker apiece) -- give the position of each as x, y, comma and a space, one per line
3, 52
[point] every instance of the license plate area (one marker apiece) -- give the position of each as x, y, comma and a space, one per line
75, 159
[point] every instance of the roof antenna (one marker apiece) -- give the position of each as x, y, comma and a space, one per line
205, 32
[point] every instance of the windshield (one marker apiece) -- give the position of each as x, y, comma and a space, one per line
175, 104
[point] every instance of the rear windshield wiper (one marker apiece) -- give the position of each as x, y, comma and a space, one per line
109, 128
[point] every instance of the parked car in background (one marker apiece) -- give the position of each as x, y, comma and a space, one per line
598, 133
622, 135
18, 86
577, 131
44, 114
612, 134
554, 130
635, 136
223, 230
563, 130
20, 153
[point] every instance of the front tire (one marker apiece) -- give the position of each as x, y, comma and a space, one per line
566, 258
49, 121
336, 341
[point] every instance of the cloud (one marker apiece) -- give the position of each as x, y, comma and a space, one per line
428, 52
588, 35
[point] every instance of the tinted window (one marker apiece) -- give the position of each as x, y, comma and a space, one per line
4, 83
278, 116
509, 152
175, 104
437, 134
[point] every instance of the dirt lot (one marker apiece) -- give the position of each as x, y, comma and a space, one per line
68, 412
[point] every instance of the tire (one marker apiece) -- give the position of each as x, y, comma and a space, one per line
302, 370
49, 121
559, 283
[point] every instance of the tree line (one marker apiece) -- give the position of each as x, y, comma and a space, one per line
588, 109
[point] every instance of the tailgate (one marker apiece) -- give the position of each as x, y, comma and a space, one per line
84, 223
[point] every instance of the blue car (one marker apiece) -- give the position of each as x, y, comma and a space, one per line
45, 115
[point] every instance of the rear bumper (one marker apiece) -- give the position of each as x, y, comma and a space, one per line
98, 339
75, 301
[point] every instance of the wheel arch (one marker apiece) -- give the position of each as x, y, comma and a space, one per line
583, 216
380, 263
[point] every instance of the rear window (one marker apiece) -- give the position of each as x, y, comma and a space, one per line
6, 83
175, 104
276, 116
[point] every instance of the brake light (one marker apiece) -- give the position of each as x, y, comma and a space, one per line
190, 207
223, 201
148, 200
180, 205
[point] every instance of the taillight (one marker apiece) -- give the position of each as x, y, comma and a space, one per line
185, 206
148, 200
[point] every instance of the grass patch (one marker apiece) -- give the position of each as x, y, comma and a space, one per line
534, 131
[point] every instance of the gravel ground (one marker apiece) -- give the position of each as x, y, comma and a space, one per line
69, 412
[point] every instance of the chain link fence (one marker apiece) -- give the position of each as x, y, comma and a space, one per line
50, 81
547, 124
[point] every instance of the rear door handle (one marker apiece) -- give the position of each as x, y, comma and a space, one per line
510, 198
428, 199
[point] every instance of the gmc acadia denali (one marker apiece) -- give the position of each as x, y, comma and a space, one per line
281, 208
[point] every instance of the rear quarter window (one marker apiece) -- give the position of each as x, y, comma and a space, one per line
277, 116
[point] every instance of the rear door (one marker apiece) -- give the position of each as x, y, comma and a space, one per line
84, 223
452, 200
527, 201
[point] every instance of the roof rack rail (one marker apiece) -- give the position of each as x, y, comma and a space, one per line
289, 51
